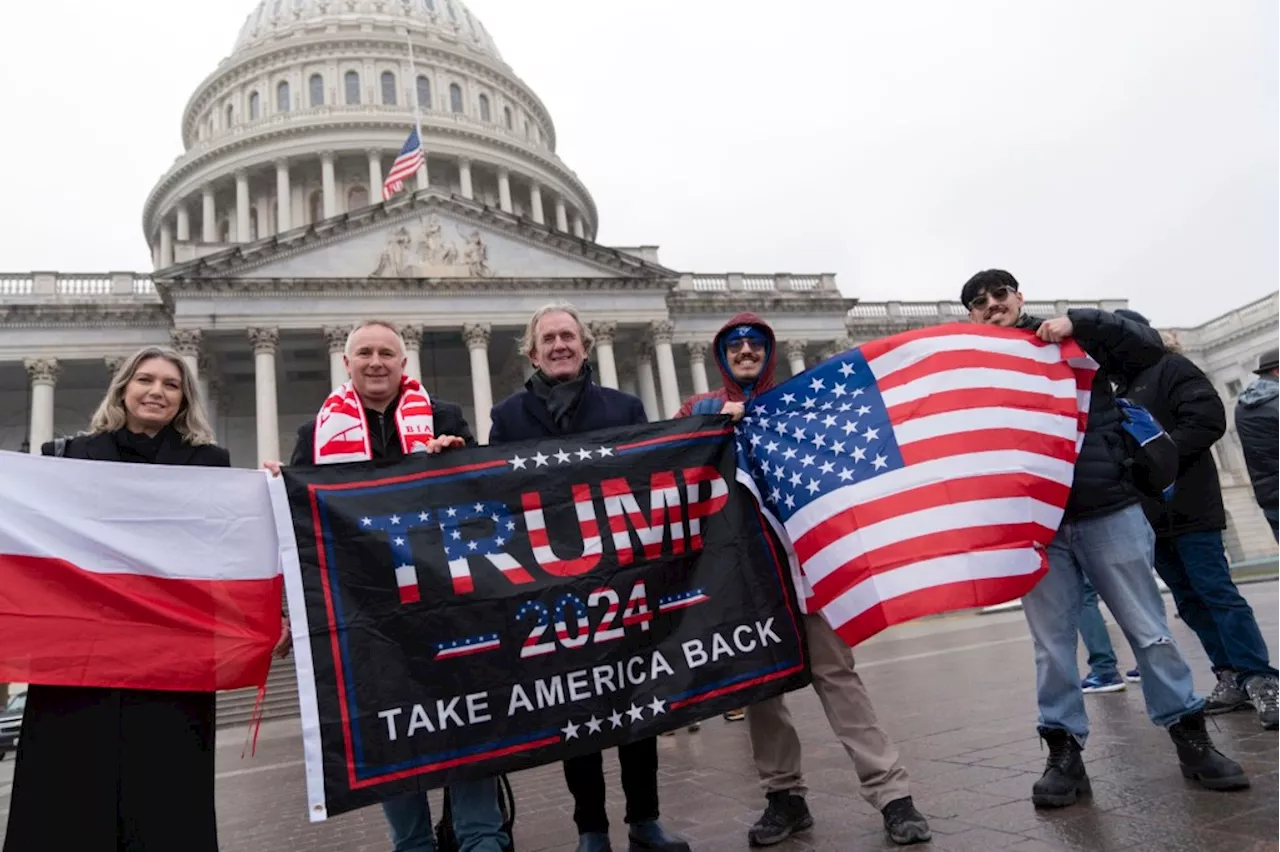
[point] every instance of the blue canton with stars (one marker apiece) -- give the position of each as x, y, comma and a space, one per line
490, 540
815, 433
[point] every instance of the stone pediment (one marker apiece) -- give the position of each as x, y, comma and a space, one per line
428, 236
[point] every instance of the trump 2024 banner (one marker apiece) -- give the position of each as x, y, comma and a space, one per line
497, 608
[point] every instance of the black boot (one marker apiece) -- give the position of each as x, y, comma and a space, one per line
787, 814
1064, 777
904, 824
1200, 760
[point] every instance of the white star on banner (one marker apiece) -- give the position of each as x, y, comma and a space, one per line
422, 516
395, 519
584, 454
593, 725
846, 369
562, 456
605, 451
871, 434
452, 512
367, 522
399, 542
636, 713
540, 460
859, 454
517, 463
880, 462
616, 719
817, 385
570, 731
657, 705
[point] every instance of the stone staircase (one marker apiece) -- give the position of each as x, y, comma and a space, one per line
1248, 538
235, 707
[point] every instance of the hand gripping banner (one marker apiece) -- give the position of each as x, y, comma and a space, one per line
498, 608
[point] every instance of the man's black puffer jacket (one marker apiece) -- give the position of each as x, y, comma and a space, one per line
1122, 348
1182, 399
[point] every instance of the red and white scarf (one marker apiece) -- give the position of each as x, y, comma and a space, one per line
342, 432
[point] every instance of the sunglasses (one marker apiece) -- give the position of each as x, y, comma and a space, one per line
995, 294
741, 343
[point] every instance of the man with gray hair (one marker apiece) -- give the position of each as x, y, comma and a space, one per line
560, 399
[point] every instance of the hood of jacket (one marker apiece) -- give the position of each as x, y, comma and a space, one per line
735, 391
1262, 391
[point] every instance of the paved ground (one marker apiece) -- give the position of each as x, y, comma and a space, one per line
956, 693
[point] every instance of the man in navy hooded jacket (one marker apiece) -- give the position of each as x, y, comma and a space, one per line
745, 351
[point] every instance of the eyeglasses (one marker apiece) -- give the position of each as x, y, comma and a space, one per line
998, 293
742, 343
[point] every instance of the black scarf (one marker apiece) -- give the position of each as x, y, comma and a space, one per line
560, 398
144, 449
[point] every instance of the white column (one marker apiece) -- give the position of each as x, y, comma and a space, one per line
579, 230
662, 331
504, 190
184, 222
242, 207
327, 184
412, 336
284, 197
464, 177
166, 243
424, 177
603, 332
476, 336
698, 366
795, 355
208, 216
336, 337
644, 373
562, 216
43, 373
265, 342
186, 342
375, 175
535, 201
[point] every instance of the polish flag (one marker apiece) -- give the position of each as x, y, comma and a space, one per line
135, 575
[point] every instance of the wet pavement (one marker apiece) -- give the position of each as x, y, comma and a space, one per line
956, 693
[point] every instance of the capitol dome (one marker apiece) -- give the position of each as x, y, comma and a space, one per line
302, 121
450, 19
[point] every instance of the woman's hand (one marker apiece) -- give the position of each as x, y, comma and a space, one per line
284, 643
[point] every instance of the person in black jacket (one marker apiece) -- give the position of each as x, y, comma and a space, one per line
378, 415
1190, 555
1104, 537
124, 768
1258, 425
560, 399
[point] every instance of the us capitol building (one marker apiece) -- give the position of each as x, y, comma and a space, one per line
269, 238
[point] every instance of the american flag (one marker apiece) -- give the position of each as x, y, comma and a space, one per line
921, 473
411, 156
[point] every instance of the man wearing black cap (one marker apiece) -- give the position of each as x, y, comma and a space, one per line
1256, 424
1190, 555
1104, 537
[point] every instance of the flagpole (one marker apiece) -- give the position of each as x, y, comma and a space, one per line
413, 88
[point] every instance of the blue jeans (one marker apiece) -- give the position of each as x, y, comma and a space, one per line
1194, 567
477, 819
1114, 552
1093, 632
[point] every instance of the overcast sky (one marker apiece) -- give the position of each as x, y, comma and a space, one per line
1095, 149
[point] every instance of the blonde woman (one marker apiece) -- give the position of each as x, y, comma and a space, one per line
108, 769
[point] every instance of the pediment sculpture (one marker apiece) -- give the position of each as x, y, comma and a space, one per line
424, 250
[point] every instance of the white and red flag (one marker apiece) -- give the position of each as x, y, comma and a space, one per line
139, 576
921, 473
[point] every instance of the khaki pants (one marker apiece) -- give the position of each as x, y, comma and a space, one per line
776, 746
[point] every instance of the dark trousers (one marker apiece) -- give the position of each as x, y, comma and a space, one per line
1194, 566
585, 777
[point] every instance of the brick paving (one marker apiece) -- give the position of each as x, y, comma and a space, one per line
957, 695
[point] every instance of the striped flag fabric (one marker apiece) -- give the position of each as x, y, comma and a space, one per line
408, 161
136, 576
921, 473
